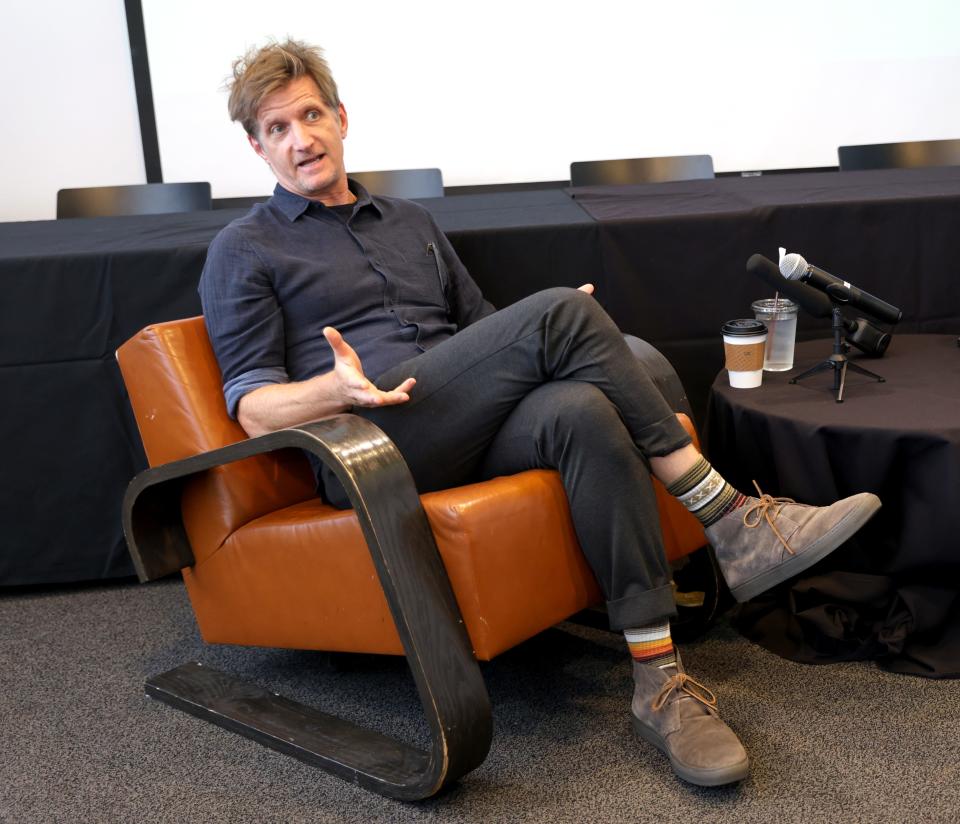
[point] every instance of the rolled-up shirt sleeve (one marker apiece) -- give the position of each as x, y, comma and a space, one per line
243, 317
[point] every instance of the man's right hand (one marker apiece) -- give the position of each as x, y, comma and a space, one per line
352, 384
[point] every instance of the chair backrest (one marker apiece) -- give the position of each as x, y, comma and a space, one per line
640, 170
140, 199
406, 183
175, 389
908, 155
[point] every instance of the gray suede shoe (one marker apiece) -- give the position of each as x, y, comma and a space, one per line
678, 716
768, 540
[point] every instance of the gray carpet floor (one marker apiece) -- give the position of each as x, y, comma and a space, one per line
81, 743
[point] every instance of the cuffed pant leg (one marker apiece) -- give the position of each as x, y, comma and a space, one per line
573, 427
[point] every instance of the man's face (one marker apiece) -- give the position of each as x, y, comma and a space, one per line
301, 138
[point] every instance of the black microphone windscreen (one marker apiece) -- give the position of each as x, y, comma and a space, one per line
806, 297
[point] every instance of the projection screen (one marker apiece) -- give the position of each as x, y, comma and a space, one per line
500, 92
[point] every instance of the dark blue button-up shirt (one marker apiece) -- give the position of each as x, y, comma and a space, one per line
383, 274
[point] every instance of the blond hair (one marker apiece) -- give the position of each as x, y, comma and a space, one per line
263, 70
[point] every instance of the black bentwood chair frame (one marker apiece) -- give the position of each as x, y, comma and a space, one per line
428, 620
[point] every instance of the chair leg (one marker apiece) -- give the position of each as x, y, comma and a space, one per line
700, 593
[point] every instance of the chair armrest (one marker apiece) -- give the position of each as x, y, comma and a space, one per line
363, 458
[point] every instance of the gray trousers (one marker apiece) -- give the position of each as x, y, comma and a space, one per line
548, 382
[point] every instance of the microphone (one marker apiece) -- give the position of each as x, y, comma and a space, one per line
860, 332
794, 267
866, 337
806, 297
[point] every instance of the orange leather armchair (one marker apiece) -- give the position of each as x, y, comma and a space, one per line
446, 578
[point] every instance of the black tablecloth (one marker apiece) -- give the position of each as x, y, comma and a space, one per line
893, 592
668, 261
74, 290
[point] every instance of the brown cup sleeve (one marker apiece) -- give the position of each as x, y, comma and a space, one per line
746, 357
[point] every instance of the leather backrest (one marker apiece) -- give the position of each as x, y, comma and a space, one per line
174, 384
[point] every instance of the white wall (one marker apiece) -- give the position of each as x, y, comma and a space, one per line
67, 101
498, 91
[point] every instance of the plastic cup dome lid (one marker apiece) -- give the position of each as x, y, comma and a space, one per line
743, 328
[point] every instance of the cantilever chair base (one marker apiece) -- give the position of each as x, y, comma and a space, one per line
370, 759
416, 587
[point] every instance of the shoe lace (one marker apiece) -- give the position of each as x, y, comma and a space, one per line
681, 682
760, 511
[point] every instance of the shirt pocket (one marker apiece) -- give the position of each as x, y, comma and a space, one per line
421, 282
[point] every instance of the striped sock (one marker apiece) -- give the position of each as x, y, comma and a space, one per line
703, 491
651, 644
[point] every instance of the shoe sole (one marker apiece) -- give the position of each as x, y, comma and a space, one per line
820, 549
700, 777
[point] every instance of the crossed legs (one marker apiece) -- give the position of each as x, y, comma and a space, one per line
550, 382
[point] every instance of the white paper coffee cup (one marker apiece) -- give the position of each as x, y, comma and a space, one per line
744, 342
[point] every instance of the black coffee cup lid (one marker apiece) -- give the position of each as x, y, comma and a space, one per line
743, 327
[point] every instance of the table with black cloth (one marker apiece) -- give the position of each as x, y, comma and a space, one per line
668, 260
892, 593
673, 255
74, 290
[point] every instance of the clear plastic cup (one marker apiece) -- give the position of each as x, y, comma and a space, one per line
744, 341
779, 315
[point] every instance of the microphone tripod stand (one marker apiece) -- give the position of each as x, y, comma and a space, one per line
838, 361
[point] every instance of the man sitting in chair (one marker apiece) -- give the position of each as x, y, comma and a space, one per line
327, 299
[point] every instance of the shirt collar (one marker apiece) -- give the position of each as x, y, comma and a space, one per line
292, 206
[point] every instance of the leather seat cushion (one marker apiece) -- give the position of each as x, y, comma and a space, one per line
302, 577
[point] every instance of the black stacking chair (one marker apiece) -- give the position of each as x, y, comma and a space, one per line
408, 183
908, 155
140, 199
641, 170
